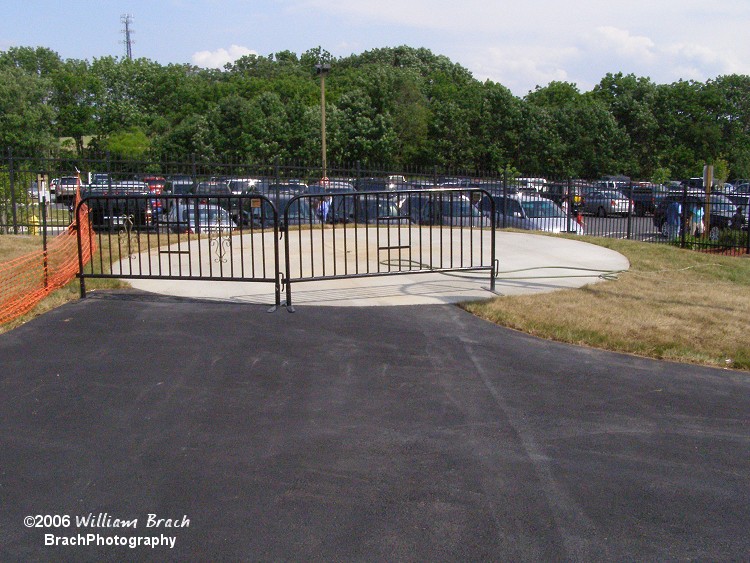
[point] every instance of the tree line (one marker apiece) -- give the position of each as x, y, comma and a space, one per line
401, 107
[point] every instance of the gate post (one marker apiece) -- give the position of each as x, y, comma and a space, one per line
493, 224
81, 275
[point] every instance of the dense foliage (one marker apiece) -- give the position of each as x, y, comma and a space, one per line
401, 107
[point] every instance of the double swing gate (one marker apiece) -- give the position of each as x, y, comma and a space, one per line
284, 238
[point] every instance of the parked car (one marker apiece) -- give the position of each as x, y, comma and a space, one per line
742, 201
270, 189
180, 184
120, 206
530, 212
299, 213
722, 211
157, 184
99, 179
645, 197
373, 185
199, 218
64, 188
365, 209
603, 203
559, 193
243, 185
332, 187
448, 209
218, 193
692, 183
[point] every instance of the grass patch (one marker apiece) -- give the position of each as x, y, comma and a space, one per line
672, 304
13, 246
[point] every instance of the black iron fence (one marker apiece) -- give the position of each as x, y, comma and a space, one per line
139, 235
625, 210
329, 235
348, 234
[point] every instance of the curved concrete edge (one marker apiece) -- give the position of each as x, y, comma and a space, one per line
527, 263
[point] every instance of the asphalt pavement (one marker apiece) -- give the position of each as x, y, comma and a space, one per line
345, 433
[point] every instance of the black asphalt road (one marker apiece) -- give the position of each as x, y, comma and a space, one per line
408, 433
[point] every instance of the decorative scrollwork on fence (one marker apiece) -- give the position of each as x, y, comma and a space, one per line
128, 238
220, 244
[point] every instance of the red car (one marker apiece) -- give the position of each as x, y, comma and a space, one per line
156, 184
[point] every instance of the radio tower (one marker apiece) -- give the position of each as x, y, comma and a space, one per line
127, 19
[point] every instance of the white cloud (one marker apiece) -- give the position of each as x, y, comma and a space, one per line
520, 69
220, 57
634, 47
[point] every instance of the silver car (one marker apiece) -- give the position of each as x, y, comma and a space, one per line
452, 209
199, 218
530, 212
605, 202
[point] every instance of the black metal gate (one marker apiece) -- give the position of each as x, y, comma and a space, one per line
338, 235
327, 235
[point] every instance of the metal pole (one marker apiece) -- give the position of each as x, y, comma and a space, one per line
683, 216
43, 209
505, 199
630, 211
323, 119
323, 70
81, 275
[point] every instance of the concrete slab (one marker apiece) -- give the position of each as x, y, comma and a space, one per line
528, 263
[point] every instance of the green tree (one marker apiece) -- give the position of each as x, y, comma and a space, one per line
131, 143
26, 119
631, 102
74, 93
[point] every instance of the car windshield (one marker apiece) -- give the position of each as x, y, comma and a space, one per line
299, 210
541, 208
721, 204
212, 215
459, 207
382, 207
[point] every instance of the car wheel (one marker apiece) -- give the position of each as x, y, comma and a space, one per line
601, 212
713, 234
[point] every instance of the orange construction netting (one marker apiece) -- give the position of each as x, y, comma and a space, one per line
26, 280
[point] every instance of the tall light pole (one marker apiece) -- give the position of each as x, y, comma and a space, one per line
322, 70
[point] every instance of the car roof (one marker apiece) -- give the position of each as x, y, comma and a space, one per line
522, 196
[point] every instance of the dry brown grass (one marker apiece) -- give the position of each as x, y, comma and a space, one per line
672, 304
13, 246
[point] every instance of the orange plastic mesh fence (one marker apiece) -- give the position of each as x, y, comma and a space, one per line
26, 280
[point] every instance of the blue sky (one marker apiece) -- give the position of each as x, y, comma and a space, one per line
519, 44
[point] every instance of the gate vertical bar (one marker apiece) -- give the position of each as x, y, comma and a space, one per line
43, 210
81, 275
630, 211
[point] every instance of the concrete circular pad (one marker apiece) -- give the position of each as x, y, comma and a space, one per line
527, 263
